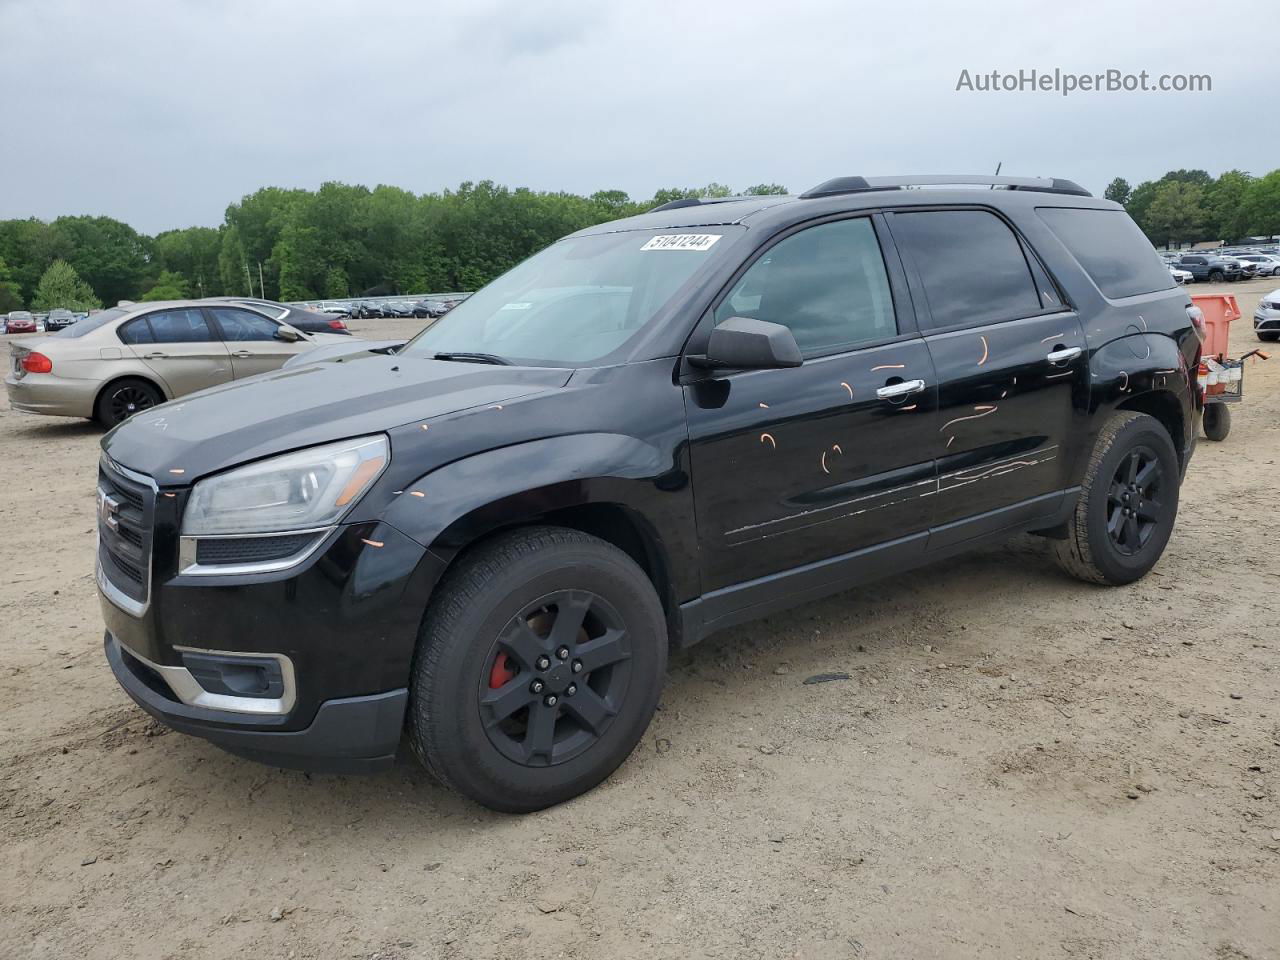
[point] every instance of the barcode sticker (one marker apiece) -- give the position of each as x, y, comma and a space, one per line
681, 241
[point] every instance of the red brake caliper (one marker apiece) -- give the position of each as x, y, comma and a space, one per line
502, 673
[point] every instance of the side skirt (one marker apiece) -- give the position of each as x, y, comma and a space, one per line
743, 602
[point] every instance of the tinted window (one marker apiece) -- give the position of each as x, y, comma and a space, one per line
89, 324
180, 326
971, 264
136, 331
271, 309
1111, 249
243, 325
827, 283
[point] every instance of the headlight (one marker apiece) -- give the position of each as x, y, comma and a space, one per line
298, 491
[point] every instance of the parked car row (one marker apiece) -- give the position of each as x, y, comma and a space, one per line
24, 321
1218, 266
421, 309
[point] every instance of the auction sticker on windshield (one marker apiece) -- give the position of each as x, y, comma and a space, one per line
681, 241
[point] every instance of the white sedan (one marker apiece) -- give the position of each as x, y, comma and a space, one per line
1268, 263
1182, 276
1266, 319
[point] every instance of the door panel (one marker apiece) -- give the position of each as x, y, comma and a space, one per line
798, 465
251, 340
179, 346
1005, 412
1011, 364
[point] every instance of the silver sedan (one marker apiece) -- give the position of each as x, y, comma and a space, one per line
115, 363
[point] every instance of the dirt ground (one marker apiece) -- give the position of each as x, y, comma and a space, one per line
1020, 766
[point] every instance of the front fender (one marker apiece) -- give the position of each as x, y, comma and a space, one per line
450, 507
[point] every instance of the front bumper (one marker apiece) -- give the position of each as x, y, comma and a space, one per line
1267, 321
347, 735
52, 395
339, 630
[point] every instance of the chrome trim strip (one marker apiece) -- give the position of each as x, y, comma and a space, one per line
110, 590
188, 566
133, 475
186, 689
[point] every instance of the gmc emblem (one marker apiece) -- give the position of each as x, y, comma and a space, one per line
108, 511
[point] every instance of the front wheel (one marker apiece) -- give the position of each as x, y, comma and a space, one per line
1267, 336
538, 668
1127, 505
1215, 276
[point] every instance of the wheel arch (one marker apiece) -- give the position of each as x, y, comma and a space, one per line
149, 380
1145, 373
1165, 406
609, 486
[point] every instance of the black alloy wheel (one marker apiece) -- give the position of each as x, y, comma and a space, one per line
124, 399
1134, 507
555, 678
539, 664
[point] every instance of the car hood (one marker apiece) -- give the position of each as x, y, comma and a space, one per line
181, 441
340, 346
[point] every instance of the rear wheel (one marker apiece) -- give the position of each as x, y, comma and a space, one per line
538, 668
122, 399
1128, 503
1217, 421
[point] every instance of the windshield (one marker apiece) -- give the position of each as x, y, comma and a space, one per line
89, 324
577, 301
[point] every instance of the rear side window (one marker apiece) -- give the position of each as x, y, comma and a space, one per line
1112, 250
180, 326
971, 264
136, 331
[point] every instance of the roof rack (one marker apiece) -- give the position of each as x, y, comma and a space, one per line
839, 185
697, 202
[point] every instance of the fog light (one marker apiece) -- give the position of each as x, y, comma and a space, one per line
236, 676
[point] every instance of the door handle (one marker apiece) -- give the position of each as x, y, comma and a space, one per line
1066, 353
242, 354
891, 391
154, 356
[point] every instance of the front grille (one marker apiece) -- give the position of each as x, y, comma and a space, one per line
126, 518
227, 550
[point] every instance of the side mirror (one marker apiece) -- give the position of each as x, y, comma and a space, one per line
288, 334
744, 342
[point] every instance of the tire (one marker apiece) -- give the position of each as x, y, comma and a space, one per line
1090, 552
1217, 421
1267, 337
123, 398
476, 719
1215, 276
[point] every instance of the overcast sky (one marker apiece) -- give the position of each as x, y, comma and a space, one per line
161, 113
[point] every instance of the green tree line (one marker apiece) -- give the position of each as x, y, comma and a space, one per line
1190, 206
337, 241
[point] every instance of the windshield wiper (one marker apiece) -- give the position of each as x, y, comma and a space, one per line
473, 358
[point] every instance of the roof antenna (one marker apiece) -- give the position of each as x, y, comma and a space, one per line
997, 173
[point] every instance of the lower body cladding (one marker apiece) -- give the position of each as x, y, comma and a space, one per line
305, 668
1266, 321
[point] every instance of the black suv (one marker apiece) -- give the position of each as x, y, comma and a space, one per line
652, 430
1215, 269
